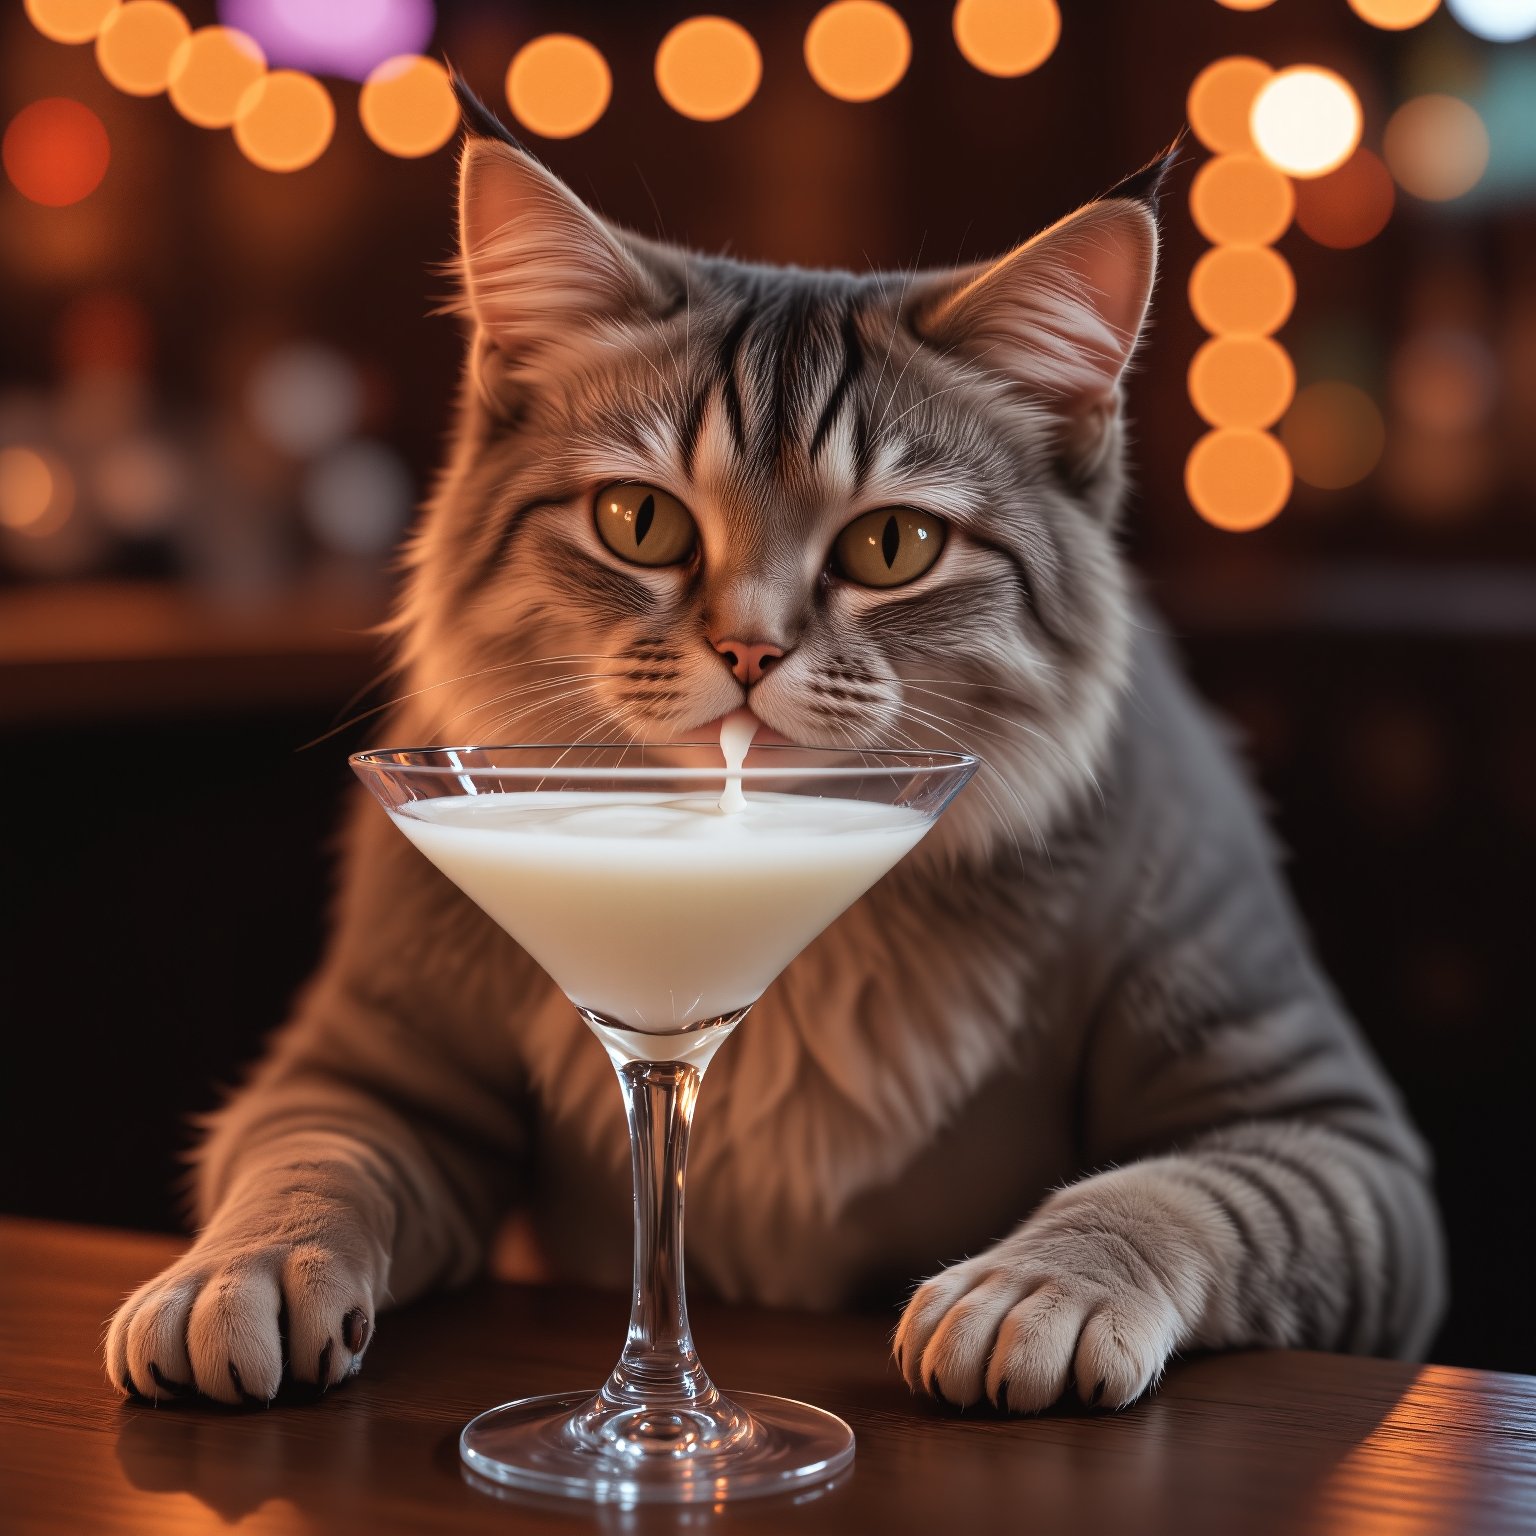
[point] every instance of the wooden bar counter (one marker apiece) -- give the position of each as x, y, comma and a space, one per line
1242, 1445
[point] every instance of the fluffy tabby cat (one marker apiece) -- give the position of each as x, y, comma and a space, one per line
1076, 1042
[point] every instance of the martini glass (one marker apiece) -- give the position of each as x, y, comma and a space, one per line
663, 918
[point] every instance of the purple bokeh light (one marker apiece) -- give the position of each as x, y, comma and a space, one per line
333, 37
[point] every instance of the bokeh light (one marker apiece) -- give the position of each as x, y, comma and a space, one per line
1497, 21
1220, 103
1394, 15
135, 47
708, 68
1241, 200
1444, 380
1241, 381
1307, 120
69, 21
558, 85
1349, 206
1007, 38
1245, 5
56, 151
357, 498
407, 106
211, 71
1238, 480
304, 397
37, 492
333, 37
1242, 290
138, 485
857, 50
285, 121
1334, 434
1437, 147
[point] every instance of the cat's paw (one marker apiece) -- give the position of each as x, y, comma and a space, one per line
1091, 1296
231, 1319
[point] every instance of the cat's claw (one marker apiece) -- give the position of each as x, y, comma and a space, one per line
215, 1324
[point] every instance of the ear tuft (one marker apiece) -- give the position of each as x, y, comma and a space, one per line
475, 118
1146, 185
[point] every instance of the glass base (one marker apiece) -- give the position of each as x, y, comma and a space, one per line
571, 1444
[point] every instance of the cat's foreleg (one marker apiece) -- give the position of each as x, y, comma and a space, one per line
325, 1192
1259, 1234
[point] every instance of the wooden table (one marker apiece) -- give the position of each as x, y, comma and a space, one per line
1242, 1445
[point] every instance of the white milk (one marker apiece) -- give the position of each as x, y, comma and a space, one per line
654, 911
736, 733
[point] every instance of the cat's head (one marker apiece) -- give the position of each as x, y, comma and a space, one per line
877, 508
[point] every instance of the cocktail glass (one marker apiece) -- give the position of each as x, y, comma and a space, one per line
663, 919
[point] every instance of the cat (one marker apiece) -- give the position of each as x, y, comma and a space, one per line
1077, 1035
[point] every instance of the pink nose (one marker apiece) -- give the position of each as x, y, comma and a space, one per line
748, 659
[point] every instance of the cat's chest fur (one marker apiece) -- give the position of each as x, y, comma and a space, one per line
855, 1066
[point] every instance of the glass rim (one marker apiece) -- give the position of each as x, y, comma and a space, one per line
382, 760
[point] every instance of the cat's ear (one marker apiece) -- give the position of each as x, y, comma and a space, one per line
537, 265
1059, 316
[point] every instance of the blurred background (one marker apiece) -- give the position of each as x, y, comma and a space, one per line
222, 395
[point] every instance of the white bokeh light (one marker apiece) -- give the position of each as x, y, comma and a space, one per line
1306, 121
1498, 21
304, 398
358, 498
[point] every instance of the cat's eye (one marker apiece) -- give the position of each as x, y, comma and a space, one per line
888, 547
644, 525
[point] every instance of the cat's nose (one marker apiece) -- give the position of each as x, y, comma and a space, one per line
748, 659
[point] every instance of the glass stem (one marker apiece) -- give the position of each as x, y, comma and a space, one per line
659, 1367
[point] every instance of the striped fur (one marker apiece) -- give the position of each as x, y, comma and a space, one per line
1078, 1036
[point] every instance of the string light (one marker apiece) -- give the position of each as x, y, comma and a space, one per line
135, 47
1394, 15
37, 492
1006, 38
1238, 480
69, 21
1220, 103
407, 106
285, 120
1306, 120
1241, 381
1242, 290
558, 85
1241, 200
708, 68
210, 73
857, 50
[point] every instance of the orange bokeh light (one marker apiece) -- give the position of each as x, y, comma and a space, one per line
210, 73
69, 21
37, 492
708, 68
1348, 206
1437, 147
1238, 480
857, 50
1007, 38
285, 121
1241, 200
558, 85
407, 106
135, 48
1245, 5
1220, 103
1241, 381
1394, 15
56, 151
1242, 290
1334, 434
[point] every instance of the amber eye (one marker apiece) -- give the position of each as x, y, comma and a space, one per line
644, 525
889, 547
